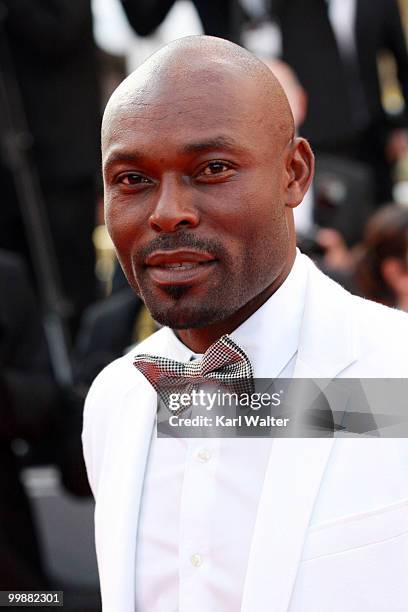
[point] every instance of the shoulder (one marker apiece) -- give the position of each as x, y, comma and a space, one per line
368, 312
338, 322
115, 381
380, 338
106, 397
381, 330
371, 319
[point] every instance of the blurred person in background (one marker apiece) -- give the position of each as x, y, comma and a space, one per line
42, 418
381, 272
339, 71
28, 401
53, 60
222, 19
297, 98
334, 209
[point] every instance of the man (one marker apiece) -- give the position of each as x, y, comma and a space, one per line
340, 73
201, 172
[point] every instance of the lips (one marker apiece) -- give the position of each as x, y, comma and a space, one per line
182, 265
179, 267
165, 258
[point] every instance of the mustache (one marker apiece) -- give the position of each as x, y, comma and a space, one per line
180, 240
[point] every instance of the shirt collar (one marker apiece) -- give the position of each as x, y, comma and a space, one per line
270, 336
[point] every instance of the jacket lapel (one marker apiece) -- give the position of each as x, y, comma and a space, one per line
296, 466
327, 343
292, 481
117, 508
119, 495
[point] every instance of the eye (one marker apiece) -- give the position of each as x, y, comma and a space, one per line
133, 178
215, 169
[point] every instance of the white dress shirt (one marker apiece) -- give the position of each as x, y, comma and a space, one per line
200, 496
342, 16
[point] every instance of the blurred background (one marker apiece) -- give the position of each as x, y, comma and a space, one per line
65, 308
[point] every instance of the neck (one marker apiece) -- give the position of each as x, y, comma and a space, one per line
198, 340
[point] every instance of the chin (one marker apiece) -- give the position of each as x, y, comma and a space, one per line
183, 317
182, 307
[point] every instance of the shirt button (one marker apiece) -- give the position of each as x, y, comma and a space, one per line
196, 560
204, 455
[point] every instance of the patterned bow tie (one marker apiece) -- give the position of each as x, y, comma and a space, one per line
224, 362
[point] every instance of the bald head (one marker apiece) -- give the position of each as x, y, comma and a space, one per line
204, 62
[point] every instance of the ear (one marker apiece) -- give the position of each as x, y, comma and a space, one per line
299, 169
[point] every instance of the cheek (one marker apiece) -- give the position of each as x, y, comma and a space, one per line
265, 234
121, 227
263, 217
123, 223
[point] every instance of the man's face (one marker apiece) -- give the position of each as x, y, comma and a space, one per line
194, 192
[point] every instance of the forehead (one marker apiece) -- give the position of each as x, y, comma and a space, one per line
179, 112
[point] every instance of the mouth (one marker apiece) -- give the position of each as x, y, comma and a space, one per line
183, 264
179, 267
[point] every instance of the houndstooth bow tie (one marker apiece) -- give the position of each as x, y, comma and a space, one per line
224, 362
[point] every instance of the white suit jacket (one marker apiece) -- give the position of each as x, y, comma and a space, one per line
331, 531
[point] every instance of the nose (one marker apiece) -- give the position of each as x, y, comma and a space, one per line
174, 209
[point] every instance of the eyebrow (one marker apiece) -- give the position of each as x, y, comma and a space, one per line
218, 142
117, 156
